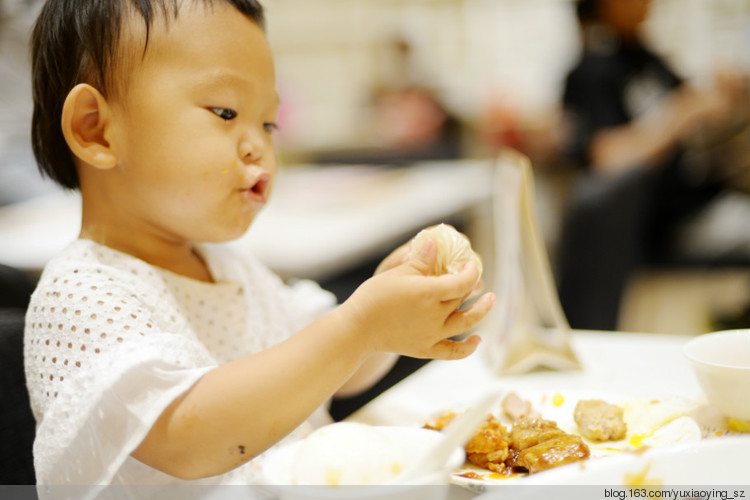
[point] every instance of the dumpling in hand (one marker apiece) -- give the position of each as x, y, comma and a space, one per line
453, 249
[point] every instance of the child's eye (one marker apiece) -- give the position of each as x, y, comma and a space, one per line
270, 127
224, 113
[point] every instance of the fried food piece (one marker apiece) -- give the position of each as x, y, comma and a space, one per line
488, 448
441, 421
533, 444
528, 432
599, 420
554, 452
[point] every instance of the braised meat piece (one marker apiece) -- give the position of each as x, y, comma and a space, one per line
557, 451
533, 444
514, 407
488, 448
529, 432
599, 420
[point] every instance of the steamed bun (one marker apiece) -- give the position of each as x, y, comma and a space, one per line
453, 249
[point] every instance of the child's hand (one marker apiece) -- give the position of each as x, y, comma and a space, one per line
395, 258
407, 311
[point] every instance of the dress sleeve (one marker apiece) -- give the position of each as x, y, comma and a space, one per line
102, 363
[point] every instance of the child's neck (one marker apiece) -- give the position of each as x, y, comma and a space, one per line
178, 257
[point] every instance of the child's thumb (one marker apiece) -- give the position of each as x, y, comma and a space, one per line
423, 259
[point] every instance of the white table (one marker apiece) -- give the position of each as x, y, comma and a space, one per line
319, 220
628, 364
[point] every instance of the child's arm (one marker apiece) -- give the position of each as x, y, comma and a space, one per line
240, 409
378, 364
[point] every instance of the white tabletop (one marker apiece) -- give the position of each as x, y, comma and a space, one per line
621, 364
319, 220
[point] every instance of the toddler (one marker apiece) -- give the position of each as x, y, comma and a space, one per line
153, 354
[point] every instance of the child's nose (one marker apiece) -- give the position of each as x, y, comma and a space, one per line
251, 148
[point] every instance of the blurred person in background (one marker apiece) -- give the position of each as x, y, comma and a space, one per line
19, 178
407, 119
635, 126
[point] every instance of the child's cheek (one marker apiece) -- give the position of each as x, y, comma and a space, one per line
230, 168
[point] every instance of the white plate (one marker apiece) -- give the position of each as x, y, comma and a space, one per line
685, 469
652, 423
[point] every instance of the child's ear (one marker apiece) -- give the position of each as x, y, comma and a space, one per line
86, 118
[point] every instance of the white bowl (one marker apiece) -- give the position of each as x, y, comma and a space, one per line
409, 443
721, 362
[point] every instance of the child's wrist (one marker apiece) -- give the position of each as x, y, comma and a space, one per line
354, 329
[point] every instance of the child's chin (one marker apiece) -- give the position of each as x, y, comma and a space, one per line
225, 235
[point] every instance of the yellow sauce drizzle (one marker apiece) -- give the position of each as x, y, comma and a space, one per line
640, 478
737, 425
333, 476
636, 440
558, 400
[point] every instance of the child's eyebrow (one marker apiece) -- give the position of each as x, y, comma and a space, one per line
219, 77
214, 77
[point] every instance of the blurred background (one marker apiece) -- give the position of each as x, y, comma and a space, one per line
397, 82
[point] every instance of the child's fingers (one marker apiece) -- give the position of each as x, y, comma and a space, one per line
454, 349
463, 320
424, 260
457, 286
477, 290
394, 259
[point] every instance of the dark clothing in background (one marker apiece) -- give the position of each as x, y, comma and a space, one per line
611, 86
17, 425
617, 222
15, 288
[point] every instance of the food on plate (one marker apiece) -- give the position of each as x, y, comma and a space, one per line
514, 407
531, 445
488, 448
600, 421
645, 416
560, 450
680, 430
347, 453
738, 425
440, 421
538, 444
528, 432
453, 249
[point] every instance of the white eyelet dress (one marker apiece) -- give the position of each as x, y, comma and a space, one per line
111, 341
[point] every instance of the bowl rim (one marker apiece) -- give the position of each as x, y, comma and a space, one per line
690, 346
391, 429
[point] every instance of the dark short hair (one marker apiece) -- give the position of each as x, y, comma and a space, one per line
77, 41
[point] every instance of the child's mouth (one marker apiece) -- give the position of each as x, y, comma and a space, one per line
258, 190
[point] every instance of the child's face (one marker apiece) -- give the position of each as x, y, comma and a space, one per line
193, 130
